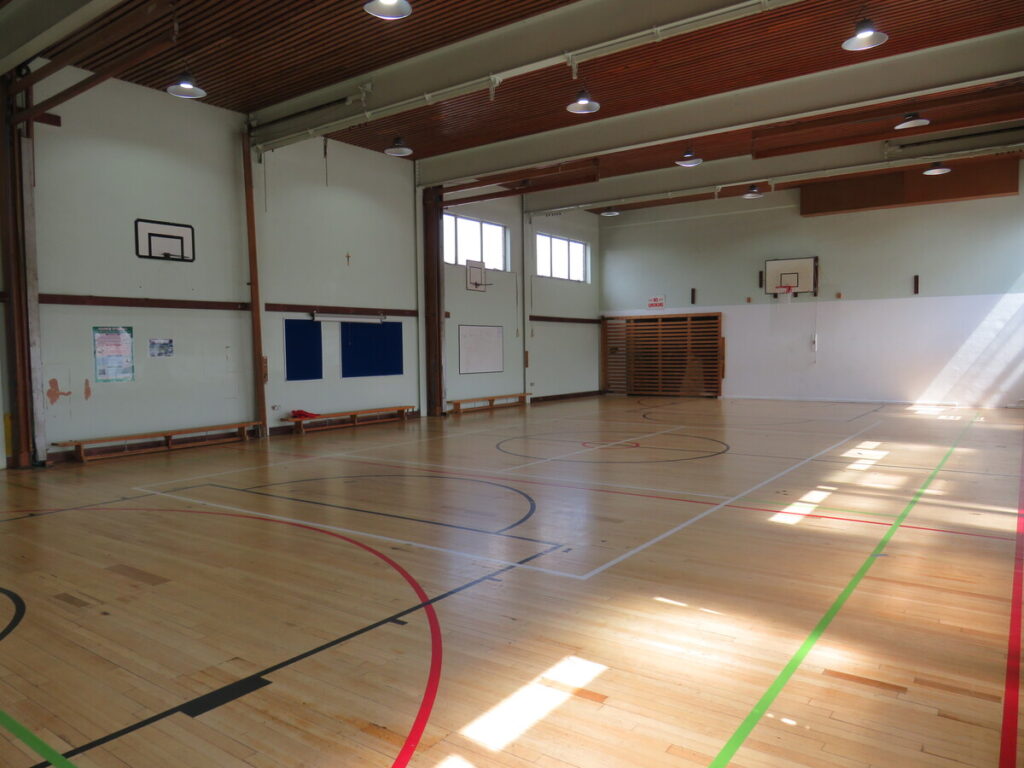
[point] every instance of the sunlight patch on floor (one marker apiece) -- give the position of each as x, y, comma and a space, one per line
510, 719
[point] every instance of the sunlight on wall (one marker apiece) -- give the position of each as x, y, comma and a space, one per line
988, 365
507, 721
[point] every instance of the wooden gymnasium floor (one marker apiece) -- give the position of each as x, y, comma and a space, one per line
587, 584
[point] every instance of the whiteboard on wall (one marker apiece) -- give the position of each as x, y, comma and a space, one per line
481, 349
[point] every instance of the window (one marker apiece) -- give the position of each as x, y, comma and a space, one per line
561, 258
473, 240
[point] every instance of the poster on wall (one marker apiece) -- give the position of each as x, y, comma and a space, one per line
112, 348
161, 347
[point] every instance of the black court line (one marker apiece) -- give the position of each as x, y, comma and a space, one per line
19, 612
606, 444
708, 455
48, 512
245, 684
529, 499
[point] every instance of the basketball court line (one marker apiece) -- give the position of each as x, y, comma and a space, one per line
588, 450
686, 523
743, 731
228, 692
584, 577
351, 532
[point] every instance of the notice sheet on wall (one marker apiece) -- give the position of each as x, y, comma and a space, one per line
161, 347
112, 348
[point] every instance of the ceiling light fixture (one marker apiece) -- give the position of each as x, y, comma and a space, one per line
912, 120
936, 169
388, 9
690, 160
865, 36
398, 148
584, 105
185, 88
752, 193
610, 212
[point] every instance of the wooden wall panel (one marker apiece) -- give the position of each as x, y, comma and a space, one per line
969, 180
664, 355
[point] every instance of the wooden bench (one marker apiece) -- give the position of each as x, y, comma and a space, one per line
519, 398
347, 418
240, 430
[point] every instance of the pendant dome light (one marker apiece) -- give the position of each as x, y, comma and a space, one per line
388, 9
583, 105
936, 169
610, 212
398, 148
752, 193
185, 88
690, 160
865, 36
912, 120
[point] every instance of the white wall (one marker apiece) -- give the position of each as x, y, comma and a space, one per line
336, 231
564, 357
501, 304
961, 340
125, 152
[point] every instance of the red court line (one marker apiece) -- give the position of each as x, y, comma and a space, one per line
433, 676
1011, 694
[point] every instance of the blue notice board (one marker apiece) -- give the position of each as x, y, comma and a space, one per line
303, 350
371, 349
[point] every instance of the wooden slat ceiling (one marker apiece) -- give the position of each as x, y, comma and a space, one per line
976, 106
784, 43
250, 54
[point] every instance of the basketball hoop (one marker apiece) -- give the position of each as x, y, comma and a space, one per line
784, 292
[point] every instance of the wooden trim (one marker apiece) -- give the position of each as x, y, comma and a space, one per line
566, 396
663, 317
116, 68
554, 319
19, 385
340, 310
433, 298
132, 301
260, 367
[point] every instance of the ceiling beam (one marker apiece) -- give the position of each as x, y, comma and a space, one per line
569, 36
919, 73
30, 26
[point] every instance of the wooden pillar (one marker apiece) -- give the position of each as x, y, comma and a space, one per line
16, 308
433, 307
259, 361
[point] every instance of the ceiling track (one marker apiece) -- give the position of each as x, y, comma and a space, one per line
492, 81
1009, 76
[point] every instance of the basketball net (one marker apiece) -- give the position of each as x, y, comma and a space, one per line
784, 293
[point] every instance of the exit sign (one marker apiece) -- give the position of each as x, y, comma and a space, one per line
656, 302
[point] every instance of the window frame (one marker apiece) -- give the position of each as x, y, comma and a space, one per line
505, 232
569, 242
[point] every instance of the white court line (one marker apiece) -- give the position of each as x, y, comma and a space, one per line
351, 532
712, 510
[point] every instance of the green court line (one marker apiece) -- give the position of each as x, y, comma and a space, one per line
34, 742
734, 743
